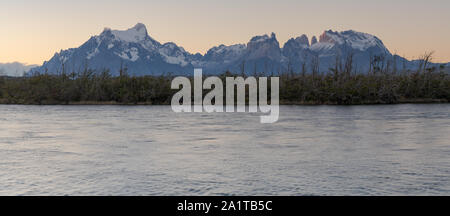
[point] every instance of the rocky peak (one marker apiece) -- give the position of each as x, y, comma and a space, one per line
135, 34
313, 40
303, 40
264, 46
328, 37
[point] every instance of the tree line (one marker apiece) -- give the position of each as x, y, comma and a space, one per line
341, 85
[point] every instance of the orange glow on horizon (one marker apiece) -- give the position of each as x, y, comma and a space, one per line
32, 32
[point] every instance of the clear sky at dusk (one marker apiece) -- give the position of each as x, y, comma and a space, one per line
32, 31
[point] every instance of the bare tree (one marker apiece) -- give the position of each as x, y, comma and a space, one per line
243, 69
315, 65
394, 62
424, 61
349, 64
304, 57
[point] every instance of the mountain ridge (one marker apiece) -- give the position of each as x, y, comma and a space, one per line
14, 69
136, 50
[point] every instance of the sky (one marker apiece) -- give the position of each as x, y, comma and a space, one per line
32, 31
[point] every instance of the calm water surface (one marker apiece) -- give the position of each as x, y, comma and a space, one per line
149, 150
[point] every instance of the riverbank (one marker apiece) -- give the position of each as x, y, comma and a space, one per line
101, 88
300, 103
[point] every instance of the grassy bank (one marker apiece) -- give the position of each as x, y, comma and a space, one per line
337, 88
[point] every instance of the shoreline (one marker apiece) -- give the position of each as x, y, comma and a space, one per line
284, 103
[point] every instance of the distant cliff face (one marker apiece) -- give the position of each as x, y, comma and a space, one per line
135, 50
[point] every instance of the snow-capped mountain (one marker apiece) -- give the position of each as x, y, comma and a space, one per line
135, 50
335, 45
219, 58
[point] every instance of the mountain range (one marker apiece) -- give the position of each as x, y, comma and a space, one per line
14, 69
135, 50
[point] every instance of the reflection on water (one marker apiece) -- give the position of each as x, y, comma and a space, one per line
149, 150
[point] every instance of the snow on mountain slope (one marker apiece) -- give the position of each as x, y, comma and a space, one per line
133, 35
174, 54
357, 40
224, 53
114, 49
142, 55
361, 46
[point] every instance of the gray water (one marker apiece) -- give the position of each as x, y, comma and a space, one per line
149, 150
